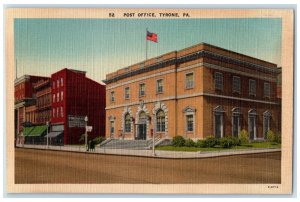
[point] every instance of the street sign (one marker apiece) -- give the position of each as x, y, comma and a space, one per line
76, 121
89, 128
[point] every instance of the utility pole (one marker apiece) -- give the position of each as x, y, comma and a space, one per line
47, 135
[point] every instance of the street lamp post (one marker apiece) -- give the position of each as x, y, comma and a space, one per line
47, 134
153, 144
86, 120
153, 138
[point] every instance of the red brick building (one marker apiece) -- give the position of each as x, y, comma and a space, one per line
24, 97
43, 101
75, 96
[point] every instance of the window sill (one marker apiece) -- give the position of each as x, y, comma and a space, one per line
157, 93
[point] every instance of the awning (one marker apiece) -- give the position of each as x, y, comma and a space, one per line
54, 134
34, 131
27, 130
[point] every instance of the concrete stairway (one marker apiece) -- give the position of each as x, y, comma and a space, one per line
126, 144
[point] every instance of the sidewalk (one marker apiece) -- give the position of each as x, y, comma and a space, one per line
149, 153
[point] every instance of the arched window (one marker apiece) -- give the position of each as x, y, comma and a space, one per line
127, 123
112, 125
218, 122
252, 124
236, 121
160, 121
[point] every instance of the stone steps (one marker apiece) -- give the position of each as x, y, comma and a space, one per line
133, 144
127, 144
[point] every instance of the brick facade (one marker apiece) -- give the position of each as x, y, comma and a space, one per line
73, 94
24, 98
197, 98
43, 101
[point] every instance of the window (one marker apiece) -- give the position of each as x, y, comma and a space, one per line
127, 93
53, 84
54, 98
61, 95
61, 112
218, 81
266, 122
189, 80
159, 86
112, 96
252, 87
160, 121
62, 81
142, 89
57, 97
252, 124
127, 123
57, 83
236, 112
267, 89
236, 84
112, 127
53, 113
57, 112
218, 121
190, 123
189, 114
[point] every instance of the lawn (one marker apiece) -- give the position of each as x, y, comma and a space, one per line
217, 148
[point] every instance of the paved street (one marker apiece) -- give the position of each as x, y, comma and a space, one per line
41, 166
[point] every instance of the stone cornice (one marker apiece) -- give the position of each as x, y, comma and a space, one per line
194, 56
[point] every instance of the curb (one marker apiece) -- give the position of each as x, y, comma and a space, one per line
194, 155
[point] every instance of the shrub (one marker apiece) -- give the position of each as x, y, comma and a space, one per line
189, 143
82, 138
277, 138
236, 141
244, 137
178, 141
226, 142
98, 140
210, 142
270, 136
200, 143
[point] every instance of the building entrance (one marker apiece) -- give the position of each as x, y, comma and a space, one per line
141, 135
142, 127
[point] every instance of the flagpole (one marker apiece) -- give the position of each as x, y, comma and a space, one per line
146, 45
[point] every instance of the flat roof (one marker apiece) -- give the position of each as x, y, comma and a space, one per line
206, 48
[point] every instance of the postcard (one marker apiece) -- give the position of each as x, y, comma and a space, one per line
124, 100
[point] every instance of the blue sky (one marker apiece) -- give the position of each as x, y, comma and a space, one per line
101, 46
